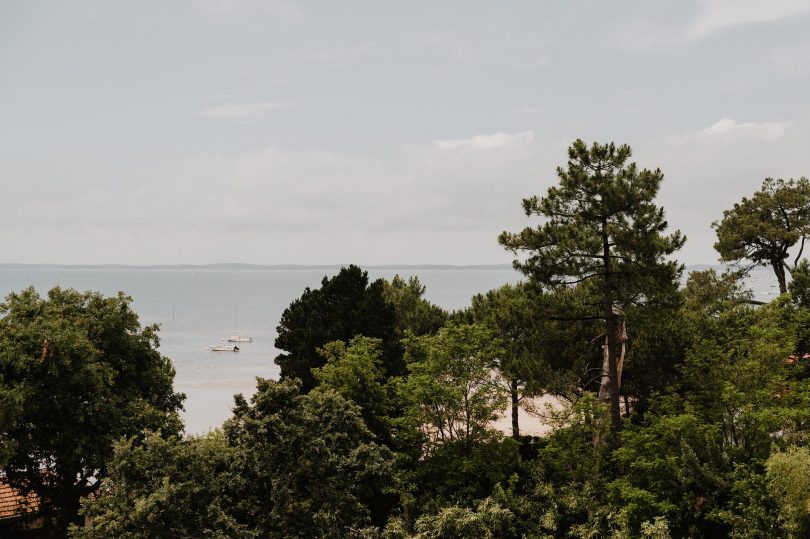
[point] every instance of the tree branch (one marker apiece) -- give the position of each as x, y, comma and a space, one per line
798, 256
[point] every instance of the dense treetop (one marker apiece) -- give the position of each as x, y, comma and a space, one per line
81, 373
345, 306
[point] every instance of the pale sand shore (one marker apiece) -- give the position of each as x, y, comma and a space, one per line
529, 424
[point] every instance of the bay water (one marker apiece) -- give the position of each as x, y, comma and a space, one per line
196, 308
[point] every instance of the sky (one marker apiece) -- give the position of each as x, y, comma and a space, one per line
280, 132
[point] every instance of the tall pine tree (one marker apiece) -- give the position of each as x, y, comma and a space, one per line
601, 225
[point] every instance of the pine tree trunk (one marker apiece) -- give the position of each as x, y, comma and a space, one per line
613, 383
513, 389
620, 339
779, 270
611, 320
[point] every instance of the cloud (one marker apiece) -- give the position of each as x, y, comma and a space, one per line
717, 15
487, 142
670, 25
729, 132
421, 204
242, 112
763, 130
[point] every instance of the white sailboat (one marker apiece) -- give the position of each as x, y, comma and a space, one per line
223, 347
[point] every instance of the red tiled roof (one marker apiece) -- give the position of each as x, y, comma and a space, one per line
12, 502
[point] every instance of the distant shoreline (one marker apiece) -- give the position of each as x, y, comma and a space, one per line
238, 266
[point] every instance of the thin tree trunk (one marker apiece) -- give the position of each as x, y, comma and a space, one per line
621, 338
513, 389
779, 270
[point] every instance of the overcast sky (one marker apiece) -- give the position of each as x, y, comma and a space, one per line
375, 132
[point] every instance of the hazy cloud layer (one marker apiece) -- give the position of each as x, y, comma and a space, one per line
483, 142
762, 130
285, 132
716, 15
423, 203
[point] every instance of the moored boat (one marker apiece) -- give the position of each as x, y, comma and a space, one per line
223, 348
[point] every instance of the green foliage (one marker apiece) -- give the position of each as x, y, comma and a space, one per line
167, 488
675, 467
286, 465
510, 312
713, 293
354, 371
750, 511
571, 341
10, 408
452, 393
413, 313
737, 375
801, 337
577, 449
83, 373
657, 529
788, 476
699, 458
519, 315
761, 230
449, 450
548, 336
305, 465
457, 474
345, 306
487, 521
799, 286
570, 471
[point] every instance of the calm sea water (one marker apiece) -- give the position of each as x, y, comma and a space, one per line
197, 308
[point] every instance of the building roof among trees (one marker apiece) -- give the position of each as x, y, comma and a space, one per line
12, 503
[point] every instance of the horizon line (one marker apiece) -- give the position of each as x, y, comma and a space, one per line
251, 266
243, 265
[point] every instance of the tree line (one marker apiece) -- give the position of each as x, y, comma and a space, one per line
683, 407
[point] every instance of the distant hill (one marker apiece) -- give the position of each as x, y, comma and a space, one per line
239, 266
